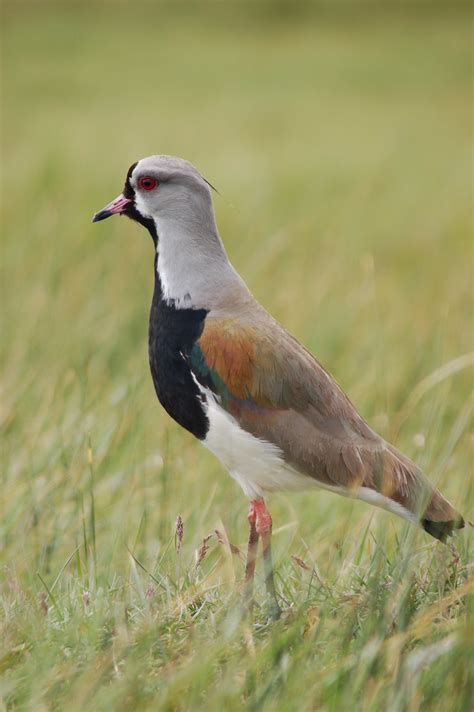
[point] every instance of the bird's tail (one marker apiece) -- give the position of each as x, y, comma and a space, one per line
406, 485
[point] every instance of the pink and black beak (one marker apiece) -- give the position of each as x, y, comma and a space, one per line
116, 207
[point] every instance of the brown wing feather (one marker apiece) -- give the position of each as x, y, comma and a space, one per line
279, 392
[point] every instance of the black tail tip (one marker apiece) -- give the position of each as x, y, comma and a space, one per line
441, 530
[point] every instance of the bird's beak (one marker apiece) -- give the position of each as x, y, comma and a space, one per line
117, 206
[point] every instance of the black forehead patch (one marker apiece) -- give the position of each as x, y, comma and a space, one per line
131, 169
127, 189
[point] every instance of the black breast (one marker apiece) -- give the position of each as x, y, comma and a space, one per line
172, 333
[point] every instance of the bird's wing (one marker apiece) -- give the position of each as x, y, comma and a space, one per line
277, 391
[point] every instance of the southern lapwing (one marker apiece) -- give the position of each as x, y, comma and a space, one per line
228, 372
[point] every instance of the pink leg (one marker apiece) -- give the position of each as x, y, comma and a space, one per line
251, 550
264, 529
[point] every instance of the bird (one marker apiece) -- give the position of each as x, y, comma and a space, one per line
228, 372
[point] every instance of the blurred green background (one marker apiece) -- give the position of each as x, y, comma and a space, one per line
340, 139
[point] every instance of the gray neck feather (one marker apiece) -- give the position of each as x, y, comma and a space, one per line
192, 263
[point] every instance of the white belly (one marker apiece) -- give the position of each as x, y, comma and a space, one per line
257, 465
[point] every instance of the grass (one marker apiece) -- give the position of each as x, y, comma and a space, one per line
340, 141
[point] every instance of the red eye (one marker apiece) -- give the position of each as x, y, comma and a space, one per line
147, 183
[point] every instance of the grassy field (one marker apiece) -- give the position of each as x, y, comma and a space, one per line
341, 145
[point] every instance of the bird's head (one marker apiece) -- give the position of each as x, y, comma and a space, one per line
161, 188
172, 200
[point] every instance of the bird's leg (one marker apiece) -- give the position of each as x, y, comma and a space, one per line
264, 529
251, 552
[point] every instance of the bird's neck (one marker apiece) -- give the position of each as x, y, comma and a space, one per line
192, 270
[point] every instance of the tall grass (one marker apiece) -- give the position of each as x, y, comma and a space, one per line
341, 144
